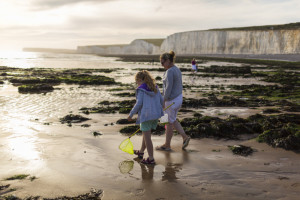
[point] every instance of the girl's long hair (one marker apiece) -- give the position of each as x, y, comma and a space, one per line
146, 77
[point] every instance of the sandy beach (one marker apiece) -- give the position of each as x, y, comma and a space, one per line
69, 160
73, 161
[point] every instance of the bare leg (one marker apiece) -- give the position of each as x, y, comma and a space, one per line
169, 135
143, 147
180, 130
148, 142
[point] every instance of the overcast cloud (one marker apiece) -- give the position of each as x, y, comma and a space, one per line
72, 23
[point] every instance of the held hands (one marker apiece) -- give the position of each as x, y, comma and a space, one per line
129, 118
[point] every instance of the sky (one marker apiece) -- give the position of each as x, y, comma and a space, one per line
70, 23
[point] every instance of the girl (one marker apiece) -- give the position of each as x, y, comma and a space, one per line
149, 106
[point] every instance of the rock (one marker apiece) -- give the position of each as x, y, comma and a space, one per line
125, 121
96, 133
241, 150
71, 118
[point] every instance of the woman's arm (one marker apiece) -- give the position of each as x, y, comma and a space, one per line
168, 85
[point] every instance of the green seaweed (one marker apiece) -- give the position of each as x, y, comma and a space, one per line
18, 177
241, 150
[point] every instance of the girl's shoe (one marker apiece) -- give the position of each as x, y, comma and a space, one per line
148, 162
138, 153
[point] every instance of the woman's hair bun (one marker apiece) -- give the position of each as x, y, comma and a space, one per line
172, 53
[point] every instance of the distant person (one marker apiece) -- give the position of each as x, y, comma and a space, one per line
149, 106
152, 61
172, 92
194, 65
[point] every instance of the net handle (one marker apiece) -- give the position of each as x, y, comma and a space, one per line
140, 129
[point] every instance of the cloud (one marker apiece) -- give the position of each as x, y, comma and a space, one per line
68, 23
52, 4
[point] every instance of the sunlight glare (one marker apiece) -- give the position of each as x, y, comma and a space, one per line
24, 148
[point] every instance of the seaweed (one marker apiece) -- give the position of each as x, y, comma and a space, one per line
241, 150
286, 136
92, 195
71, 118
227, 69
18, 177
37, 88
276, 130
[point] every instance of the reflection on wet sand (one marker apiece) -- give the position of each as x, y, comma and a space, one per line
171, 165
147, 171
126, 166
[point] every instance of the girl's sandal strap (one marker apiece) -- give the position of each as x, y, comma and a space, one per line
137, 152
148, 161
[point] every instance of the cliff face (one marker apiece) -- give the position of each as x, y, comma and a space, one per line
280, 39
138, 46
234, 42
100, 49
141, 47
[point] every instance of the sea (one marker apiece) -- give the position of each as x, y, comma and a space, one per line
21, 59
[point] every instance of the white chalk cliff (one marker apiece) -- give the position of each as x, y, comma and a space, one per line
136, 47
234, 42
279, 39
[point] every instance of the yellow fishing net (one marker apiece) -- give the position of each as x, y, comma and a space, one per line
126, 146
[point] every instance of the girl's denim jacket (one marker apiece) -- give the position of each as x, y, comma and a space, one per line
149, 105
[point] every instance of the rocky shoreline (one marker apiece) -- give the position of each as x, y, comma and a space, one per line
273, 105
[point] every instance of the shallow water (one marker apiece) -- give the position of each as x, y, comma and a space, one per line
56, 60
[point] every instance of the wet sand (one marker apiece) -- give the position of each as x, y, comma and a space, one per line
73, 161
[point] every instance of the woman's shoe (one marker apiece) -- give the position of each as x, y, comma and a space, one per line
138, 153
162, 148
148, 162
186, 142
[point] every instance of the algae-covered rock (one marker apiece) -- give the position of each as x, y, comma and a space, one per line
270, 111
124, 110
125, 121
229, 128
228, 69
35, 88
110, 107
286, 137
241, 150
125, 94
96, 133
84, 79
71, 118
128, 130
225, 101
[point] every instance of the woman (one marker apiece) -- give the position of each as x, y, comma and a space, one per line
172, 92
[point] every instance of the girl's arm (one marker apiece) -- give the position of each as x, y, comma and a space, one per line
138, 105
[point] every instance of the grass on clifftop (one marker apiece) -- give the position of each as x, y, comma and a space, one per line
156, 42
290, 26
